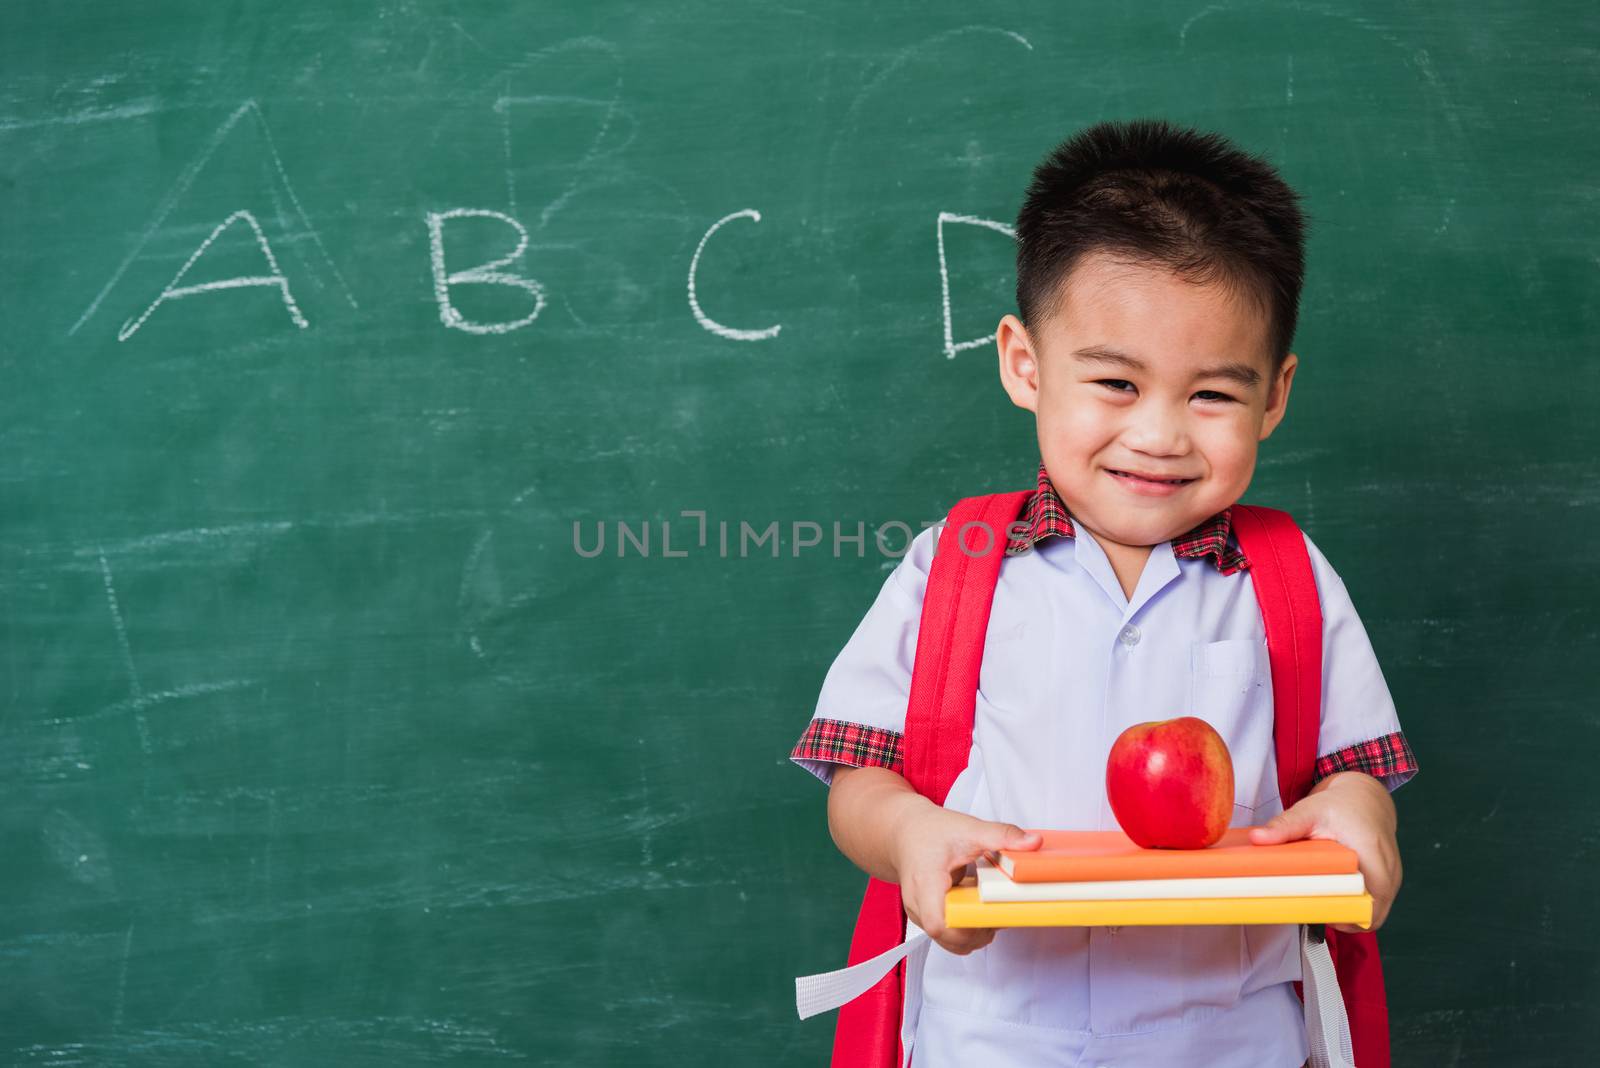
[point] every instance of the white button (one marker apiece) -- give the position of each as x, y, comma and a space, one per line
1129, 635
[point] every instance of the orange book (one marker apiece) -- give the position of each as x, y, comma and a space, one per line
1091, 856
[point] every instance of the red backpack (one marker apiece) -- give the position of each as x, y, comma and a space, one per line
938, 738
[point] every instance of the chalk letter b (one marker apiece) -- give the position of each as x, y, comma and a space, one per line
484, 274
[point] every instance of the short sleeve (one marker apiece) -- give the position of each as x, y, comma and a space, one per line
1360, 728
861, 712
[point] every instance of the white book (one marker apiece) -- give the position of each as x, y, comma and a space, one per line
996, 885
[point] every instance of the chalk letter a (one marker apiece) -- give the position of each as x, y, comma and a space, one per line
176, 292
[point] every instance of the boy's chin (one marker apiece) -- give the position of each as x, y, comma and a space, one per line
1154, 526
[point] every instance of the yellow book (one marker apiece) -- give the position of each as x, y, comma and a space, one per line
963, 908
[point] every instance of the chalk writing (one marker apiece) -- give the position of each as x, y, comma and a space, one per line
187, 179
694, 303
173, 291
484, 274
951, 345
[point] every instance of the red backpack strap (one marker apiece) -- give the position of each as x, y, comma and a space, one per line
1286, 588
1280, 569
867, 1034
955, 619
937, 741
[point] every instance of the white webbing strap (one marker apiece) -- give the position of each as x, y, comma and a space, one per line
828, 990
1327, 1026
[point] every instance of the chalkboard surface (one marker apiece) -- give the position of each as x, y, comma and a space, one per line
323, 739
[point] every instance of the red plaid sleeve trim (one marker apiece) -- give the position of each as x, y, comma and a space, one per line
1388, 758
855, 744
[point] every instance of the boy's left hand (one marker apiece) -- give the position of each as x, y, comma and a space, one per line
1353, 809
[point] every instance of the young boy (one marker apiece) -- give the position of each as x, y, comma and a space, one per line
1158, 282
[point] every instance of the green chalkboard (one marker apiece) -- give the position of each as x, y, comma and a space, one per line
322, 738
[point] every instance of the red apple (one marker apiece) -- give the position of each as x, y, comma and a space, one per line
1170, 783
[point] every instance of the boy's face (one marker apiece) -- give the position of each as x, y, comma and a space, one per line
1102, 419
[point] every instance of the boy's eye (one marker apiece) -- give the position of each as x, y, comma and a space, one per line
1115, 384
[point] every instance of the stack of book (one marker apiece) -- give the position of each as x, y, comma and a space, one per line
1101, 878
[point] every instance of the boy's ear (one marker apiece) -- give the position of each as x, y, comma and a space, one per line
1019, 365
1278, 396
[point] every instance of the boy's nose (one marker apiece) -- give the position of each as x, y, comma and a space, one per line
1156, 431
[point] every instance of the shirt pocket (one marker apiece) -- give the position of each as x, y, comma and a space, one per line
1231, 688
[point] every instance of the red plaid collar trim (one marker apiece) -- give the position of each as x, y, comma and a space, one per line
1045, 514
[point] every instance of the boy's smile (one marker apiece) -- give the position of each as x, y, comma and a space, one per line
1151, 395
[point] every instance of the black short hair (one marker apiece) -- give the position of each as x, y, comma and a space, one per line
1155, 193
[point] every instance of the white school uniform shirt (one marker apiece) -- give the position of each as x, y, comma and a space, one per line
1069, 662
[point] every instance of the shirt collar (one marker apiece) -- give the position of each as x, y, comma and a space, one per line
1045, 514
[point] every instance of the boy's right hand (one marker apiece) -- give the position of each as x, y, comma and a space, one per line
931, 855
